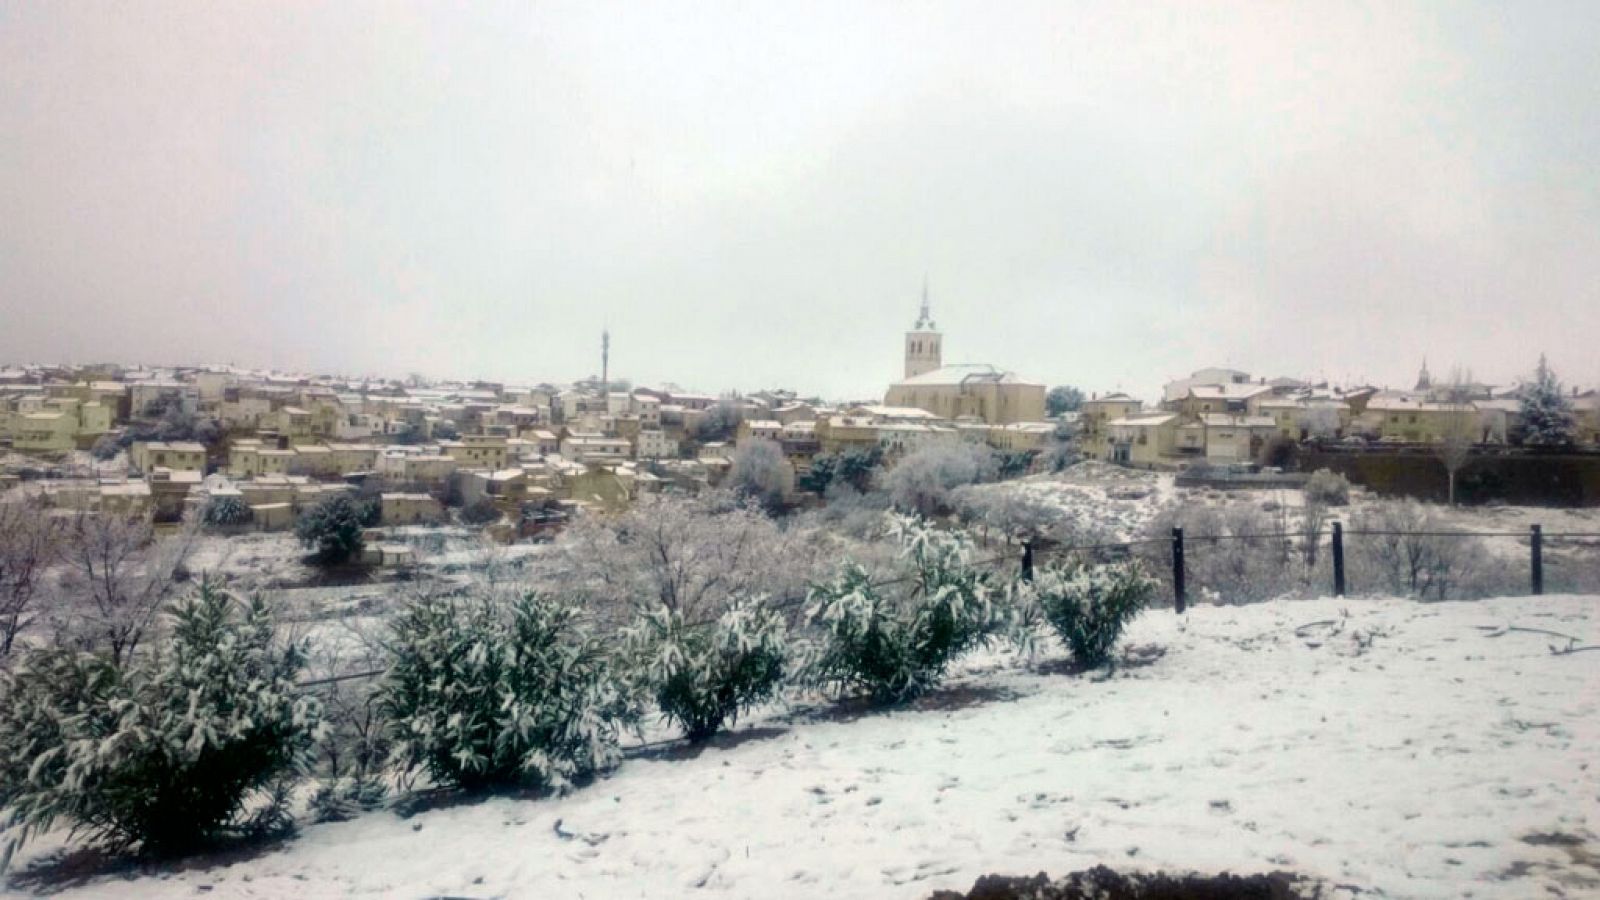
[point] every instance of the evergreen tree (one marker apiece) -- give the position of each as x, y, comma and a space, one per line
1546, 412
333, 529
164, 752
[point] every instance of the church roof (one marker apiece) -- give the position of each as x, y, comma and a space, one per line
964, 373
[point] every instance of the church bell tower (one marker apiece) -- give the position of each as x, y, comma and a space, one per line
923, 351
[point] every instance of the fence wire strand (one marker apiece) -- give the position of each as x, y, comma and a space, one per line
790, 603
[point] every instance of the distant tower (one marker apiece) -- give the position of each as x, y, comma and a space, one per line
1424, 380
923, 353
605, 362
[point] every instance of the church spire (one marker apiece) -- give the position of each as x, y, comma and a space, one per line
605, 361
925, 317
1424, 380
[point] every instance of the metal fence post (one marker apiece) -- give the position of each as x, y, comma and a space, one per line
1338, 559
1536, 553
1179, 596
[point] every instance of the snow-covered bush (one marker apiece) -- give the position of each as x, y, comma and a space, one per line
702, 677
894, 641
332, 529
225, 512
341, 799
1327, 488
1395, 547
694, 555
1089, 606
166, 751
760, 473
921, 483
480, 512
1233, 551
482, 692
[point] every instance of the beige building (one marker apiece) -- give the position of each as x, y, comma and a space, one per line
477, 451
956, 391
1096, 413
1143, 440
179, 456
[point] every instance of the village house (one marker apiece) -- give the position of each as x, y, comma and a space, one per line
655, 444
758, 430
839, 433
1021, 436
175, 455
1095, 414
408, 509
477, 451
589, 447
1142, 439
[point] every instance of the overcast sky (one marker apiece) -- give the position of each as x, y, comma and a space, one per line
751, 194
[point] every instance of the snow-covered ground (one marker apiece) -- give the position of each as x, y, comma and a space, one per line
1401, 749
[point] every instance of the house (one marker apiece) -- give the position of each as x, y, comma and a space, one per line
1231, 438
48, 433
1142, 440
837, 433
655, 444
408, 509
175, 455
1412, 419
759, 430
1174, 391
1021, 436
901, 438
1095, 413
252, 458
403, 465
587, 447
1205, 399
477, 451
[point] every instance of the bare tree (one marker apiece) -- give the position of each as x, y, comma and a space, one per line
921, 483
118, 576
1459, 431
760, 472
691, 555
28, 546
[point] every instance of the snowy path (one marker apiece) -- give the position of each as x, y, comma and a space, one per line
1410, 754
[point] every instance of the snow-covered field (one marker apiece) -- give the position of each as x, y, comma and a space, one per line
1394, 748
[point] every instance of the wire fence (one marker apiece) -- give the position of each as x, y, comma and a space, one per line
1260, 565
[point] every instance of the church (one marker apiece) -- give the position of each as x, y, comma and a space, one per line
971, 391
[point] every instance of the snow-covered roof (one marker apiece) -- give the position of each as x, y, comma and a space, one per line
1219, 420
965, 373
1227, 391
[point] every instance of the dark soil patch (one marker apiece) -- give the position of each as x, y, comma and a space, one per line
682, 748
1135, 657
1101, 883
76, 868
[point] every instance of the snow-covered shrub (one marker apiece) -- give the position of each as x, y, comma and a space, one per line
1395, 547
759, 472
332, 529
1089, 606
693, 555
480, 512
1233, 551
702, 677
166, 751
921, 483
894, 641
225, 512
483, 693
340, 799
1327, 488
